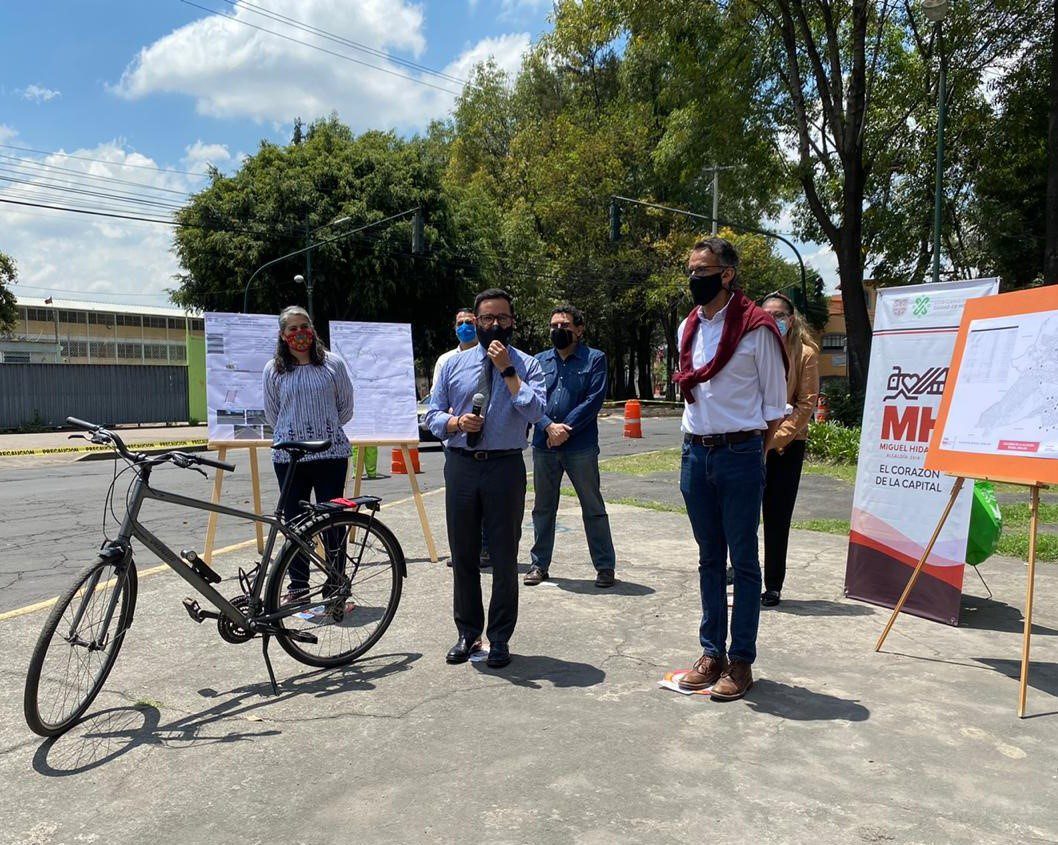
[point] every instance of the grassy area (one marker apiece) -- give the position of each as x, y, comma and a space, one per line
842, 472
825, 526
665, 460
1018, 514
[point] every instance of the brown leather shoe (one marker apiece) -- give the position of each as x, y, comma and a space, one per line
706, 672
734, 683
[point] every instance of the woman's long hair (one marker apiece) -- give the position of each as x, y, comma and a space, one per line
284, 360
798, 334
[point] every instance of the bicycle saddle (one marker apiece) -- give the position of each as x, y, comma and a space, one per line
309, 447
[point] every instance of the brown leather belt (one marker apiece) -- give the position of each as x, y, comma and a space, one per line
484, 454
713, 440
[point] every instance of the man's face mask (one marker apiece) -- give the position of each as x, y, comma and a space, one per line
465, 332
705, 285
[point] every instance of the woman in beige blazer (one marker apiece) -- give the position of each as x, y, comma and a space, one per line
785, 460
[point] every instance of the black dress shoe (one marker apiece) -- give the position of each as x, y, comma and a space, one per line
769, 598
461, 651
604, 578
499, 655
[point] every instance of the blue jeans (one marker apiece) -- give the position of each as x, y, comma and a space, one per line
582, 467
723, 486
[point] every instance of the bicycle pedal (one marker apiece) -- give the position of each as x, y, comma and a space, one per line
195, 611
303, 637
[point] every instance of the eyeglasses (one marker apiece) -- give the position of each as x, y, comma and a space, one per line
488, 320
561, 324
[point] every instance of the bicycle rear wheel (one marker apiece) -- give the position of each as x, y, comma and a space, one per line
346, 603
77, 648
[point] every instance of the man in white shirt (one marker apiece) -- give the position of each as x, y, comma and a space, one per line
733, 380
466, 334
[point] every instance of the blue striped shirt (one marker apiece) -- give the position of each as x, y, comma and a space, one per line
507, 417
310, 402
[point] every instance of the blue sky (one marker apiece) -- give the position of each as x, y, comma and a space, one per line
118, 90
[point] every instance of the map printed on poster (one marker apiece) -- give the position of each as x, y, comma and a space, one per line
1005, 399
237, 348
382, 368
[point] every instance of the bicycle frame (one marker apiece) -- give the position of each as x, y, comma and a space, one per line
132, 528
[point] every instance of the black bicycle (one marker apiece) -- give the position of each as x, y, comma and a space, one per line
328, 597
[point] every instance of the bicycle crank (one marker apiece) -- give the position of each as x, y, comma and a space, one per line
228, 630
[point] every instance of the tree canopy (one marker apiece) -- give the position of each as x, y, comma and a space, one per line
8, 275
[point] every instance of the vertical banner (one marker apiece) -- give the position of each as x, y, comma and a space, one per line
897, 501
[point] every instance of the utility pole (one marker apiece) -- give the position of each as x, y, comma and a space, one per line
715, 169
55, 314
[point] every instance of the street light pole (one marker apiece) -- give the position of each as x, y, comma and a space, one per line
936, 11
416, 247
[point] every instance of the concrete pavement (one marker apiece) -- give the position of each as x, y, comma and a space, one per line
573, 742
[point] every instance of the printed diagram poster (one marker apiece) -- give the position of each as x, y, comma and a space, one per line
381, 366
897, 501
1005, 400
237, 348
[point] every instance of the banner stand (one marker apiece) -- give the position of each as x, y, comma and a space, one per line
223, 446
1034, 512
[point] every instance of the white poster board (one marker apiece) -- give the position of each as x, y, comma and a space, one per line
381, 366
1006, 398
237, 348
897, 501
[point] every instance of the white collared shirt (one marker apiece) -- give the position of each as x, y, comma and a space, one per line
747, 394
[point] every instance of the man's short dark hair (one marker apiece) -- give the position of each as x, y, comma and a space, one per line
722, 248
493, 293
464, 311
574, 312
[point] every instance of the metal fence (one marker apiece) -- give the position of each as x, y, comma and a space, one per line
46, 394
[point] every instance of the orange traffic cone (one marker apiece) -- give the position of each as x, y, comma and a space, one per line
633, 424
396, 466
415, 461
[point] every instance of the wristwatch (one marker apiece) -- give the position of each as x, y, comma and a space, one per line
510, 371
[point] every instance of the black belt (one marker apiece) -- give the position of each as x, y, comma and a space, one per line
711, 440
484, 454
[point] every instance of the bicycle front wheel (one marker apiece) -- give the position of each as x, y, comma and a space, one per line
344, 597
78, 645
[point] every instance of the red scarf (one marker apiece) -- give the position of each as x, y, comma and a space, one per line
743, 316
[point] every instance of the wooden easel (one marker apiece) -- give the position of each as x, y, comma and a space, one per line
1034, 512
223, 447
405, 447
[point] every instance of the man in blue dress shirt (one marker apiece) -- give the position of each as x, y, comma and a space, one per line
484, 470
567, 440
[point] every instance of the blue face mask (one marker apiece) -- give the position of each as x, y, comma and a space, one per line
784, 325
466, 332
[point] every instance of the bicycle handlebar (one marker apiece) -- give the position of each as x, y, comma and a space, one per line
122, 449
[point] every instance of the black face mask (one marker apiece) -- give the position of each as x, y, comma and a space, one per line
494, 332
704, 288
561, 338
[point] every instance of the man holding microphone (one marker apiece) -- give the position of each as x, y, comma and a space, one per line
482, 404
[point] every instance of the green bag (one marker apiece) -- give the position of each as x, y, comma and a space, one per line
986, 524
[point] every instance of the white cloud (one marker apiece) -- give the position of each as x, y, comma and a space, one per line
199, 155
511, 9
39, 94
6, 133
233, 70
63, 254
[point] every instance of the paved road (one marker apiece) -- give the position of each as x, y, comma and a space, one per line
52, 508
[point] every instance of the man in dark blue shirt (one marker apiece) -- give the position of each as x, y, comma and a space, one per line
567, 440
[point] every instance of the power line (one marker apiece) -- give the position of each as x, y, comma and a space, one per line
347, 58
104, 161
52, 186
348, 42
29, 162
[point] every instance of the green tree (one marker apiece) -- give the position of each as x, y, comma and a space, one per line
281, 193
8, 276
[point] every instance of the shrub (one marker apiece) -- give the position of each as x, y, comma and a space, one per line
832, 442
845, 407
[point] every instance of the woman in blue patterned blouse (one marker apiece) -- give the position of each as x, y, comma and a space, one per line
308, 396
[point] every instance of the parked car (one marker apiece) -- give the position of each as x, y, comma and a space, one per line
425, 435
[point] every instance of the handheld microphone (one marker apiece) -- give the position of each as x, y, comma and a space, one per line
474, 436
